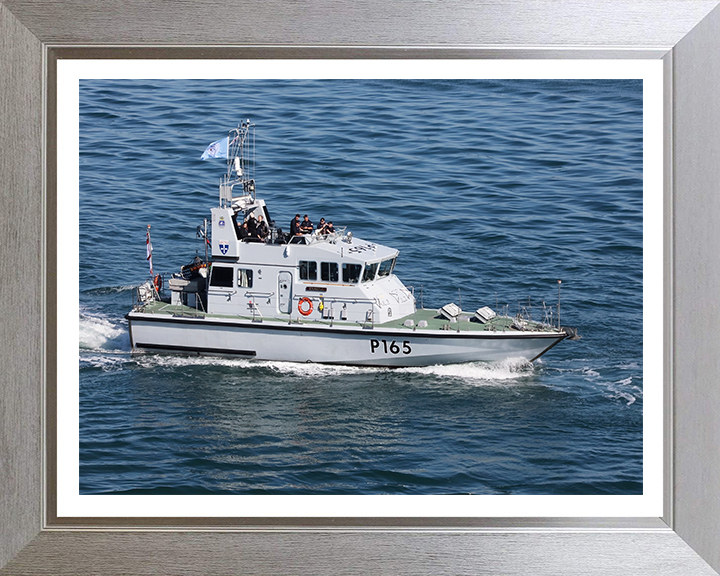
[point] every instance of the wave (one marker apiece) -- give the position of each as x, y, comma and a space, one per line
108, 290
309, 370
623, 390
475, 372
605, 380
478, 372
104, 361
98, 332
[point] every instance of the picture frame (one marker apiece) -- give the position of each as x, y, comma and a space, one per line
684, 34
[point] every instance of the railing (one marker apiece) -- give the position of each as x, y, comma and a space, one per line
222, 293
144, 294
339, 233
147, 292
259, 294
314, 237
369, 315
253, 305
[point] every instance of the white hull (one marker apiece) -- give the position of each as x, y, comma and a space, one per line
350, 345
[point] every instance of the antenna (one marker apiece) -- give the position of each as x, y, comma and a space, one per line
205, 239
559, 284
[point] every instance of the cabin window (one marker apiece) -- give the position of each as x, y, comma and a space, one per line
308, 270
386, 267
369, 274
222, 276
329, 271
351, 273
245, 278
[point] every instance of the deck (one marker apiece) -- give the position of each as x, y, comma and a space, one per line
466, 322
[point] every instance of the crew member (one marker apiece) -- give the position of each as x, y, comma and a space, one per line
244, 232
261, 230
251, 224
295, 226
306, 226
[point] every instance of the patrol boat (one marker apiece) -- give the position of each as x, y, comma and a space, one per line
325, 297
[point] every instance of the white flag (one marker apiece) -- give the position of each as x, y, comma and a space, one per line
218, 149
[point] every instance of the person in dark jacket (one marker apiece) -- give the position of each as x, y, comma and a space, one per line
306, 226
251, 224
244, 232
261, 230
295, 226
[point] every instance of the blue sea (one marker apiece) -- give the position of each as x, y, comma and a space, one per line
492, 190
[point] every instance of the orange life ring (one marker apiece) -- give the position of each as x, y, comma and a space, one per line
302, 310
157, 282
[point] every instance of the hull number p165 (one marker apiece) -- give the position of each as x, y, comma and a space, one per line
391, 347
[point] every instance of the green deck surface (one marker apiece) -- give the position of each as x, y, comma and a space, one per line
436, 321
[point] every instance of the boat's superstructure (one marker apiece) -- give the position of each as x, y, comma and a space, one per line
301, 295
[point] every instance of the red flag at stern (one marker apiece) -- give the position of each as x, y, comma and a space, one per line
149, 250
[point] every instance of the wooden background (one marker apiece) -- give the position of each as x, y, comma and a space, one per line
685, 32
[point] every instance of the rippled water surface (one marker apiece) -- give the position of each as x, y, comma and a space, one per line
491, 190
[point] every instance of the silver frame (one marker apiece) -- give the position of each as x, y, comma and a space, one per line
684, 33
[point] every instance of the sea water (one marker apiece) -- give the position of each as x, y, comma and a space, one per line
491, 190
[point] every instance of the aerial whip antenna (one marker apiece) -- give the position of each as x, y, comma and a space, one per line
559, 283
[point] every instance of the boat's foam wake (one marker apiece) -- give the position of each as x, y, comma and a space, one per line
308, 370
105, 361
99, 333
478, 372
623, 390
605, 380
474, 372
105, 290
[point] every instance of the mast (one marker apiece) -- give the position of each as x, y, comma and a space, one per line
240, 163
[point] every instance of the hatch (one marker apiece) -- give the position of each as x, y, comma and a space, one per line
284, 291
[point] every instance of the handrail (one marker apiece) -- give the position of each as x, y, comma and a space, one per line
259, 294
335, 299
330, 301
229, 295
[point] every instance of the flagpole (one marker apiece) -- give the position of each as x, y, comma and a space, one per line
149, 251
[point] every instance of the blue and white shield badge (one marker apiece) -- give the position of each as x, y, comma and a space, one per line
224, 247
